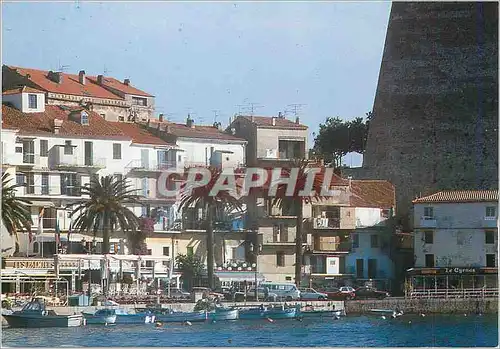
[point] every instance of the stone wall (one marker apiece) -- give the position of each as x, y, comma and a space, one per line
417, 306
435, 123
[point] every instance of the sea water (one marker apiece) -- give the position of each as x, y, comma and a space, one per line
350, 331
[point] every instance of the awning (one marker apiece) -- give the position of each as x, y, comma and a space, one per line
42, 203
239, 276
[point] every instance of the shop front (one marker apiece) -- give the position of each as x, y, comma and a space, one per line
449, 282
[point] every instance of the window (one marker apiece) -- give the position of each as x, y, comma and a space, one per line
189, 251
150, 264
118, 177
45, 184
428, 212
32, 101
103, 116
19, 150
360, 270
429, 237
355, 240
30, 183
143, 102
20, 179
179, 158
490, 260
372, 268
44, 147
68, 148
84, 118
69, 185
117, 151
489, 237
29, 152
166, 251
280, 259
374, 241
429, 261
145, 187
491, 212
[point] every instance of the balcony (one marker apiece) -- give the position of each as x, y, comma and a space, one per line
59, 159
428, 222
153, 166
490, 222
322, 246
326, 223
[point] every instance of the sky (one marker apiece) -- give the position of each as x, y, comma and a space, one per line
213, 59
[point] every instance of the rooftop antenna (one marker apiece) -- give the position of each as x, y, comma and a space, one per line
240, 107
61, 67
216, 115
253, 107
296, 108
106, 71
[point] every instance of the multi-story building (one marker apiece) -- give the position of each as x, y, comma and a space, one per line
113, 100
456, 240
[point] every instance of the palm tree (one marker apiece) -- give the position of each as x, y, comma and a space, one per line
281, 200
105, 209
16, 214
200, 197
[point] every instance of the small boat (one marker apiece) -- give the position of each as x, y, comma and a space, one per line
101, 317
123, 316
382, 312
320, 313
34, 315
172, 316
221, 314
273, 313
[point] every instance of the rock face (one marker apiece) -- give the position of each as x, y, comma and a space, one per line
435, 123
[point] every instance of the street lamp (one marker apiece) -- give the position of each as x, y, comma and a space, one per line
255, 252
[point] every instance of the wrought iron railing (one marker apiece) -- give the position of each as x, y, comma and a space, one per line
454, 293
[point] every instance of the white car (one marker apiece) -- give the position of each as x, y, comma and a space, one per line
310, 294
347, 289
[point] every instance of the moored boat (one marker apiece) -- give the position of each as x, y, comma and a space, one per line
273, 313
171, 316
221, 314
123, 316
320, 313
101, 317
34, 315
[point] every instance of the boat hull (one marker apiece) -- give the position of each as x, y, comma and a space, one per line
182, 317
320, 313
134, 319
34, 321
255, 314
223, 315
100, 320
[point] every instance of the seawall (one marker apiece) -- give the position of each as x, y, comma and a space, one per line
417, 306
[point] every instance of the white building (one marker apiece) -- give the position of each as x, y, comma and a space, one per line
456, 240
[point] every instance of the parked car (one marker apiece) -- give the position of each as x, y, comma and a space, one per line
367, 292
178, 293
285, 291
340, 294
239, 296
208, 293
310, 294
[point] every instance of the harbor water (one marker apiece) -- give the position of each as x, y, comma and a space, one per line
351, 331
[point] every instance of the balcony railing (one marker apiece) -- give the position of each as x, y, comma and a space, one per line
153, 166
428, 222
326, 223
343, 246
455, 293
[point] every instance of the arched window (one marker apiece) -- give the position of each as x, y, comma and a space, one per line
84, 118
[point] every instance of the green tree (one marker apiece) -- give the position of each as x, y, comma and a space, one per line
200, 196
137, 239
106, 208
16, 215
191, 268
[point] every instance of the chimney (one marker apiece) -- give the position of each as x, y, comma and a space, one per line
100, 79
160, 118
189, 122
297, 120
274, 121
280, 115
252, 118
57, 125
55, 76
81, 77
168, 129
126, 82
28, 76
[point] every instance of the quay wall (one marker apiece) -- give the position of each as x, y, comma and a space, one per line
429, 306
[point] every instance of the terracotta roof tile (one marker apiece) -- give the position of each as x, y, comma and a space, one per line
267, 121
199, 131
372, 193
70, 84
459, 196
120, 86
42, 123
21, 89
139, 134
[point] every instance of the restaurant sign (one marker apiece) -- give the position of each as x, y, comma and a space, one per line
37, 263
453, 271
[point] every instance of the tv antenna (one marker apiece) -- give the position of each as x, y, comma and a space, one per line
106, 71
240, 107
296, 108
62, 67
216, 114
253, 107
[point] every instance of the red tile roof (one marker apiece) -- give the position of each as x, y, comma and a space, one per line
452, 196
120, 86
21, 89
199, 131
267, 121
372, 193
71, 84
139, 134
42, 123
